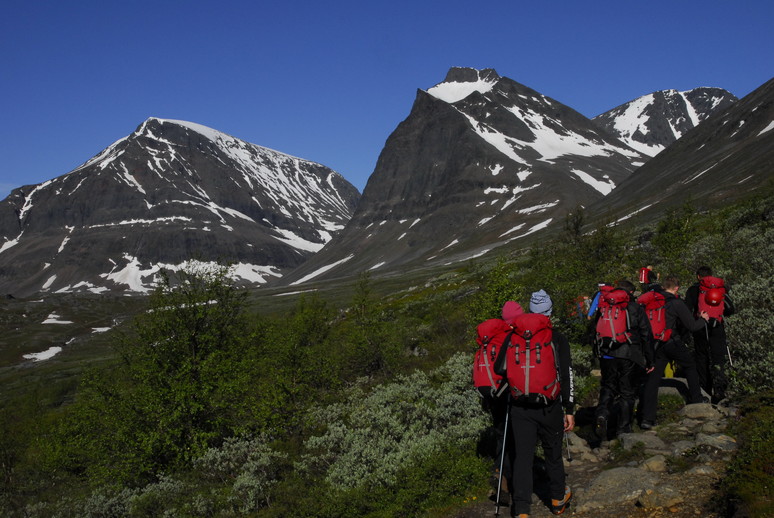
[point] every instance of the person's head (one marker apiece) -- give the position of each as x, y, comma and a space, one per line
671, 284
511, 310
703, 271
626, 286
541, 303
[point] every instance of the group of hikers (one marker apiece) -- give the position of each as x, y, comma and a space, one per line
523, 371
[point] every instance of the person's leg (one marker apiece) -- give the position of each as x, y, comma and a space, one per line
719, 363
650, 394
607, 392
685, 359
524, 431
551, 432
701, 351
628, 382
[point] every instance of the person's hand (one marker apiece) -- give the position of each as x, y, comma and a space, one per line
705, 316
569, 422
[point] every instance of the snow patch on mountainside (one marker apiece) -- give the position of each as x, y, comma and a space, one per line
322, 270
452, 92
602, 187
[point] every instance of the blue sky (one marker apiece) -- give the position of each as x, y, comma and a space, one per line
329, 81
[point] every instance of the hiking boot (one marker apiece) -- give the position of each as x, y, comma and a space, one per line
647, 425
560, 506
601, 427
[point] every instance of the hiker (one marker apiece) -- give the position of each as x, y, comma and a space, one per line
493, 389
680, 322
592, 309
710, 345
622, 360
649, 279
543, 412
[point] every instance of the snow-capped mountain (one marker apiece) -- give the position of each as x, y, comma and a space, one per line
652, 122
480, 161
728, 157
170, 192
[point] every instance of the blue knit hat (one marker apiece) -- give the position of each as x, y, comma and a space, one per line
540, 302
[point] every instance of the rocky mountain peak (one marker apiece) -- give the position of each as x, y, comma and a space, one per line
169, 192
652, 122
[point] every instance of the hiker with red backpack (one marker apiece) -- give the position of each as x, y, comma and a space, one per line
537, 364
625, 351
493, 388
710, 294
678, 324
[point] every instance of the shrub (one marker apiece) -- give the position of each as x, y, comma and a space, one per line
749, 335
178, 389
372, 436
749, 482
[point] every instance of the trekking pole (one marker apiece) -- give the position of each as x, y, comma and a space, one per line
730, 361
502, 457
567, 441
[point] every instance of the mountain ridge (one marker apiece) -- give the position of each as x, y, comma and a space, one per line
171, 191
652, 122
481, 160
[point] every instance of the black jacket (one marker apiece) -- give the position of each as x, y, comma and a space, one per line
680, 319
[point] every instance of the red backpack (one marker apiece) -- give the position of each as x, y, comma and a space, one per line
531, 360
654, 304
490, 335
613, 323
712, 291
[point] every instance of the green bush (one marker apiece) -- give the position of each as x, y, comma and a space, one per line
178, 389
371, 436
749, 482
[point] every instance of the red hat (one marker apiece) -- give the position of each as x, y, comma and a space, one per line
511, 310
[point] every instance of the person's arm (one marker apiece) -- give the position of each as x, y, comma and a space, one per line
645, 335
728, 307
692, 299
500, 367
594, 303
686, 318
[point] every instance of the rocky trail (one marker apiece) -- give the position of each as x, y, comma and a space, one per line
672, 470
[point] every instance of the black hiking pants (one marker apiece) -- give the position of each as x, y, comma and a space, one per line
619, 386
530, 424
672, 350
711, 351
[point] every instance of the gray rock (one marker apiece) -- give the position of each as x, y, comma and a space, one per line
656, 464
616, 486
650, 440
718, 441
690, 423
577, 445
680, 447
702, 470
669, 391
713, 427
700, 411
727, 411
660, 496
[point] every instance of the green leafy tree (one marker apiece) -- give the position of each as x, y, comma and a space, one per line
498, 285
179, 388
